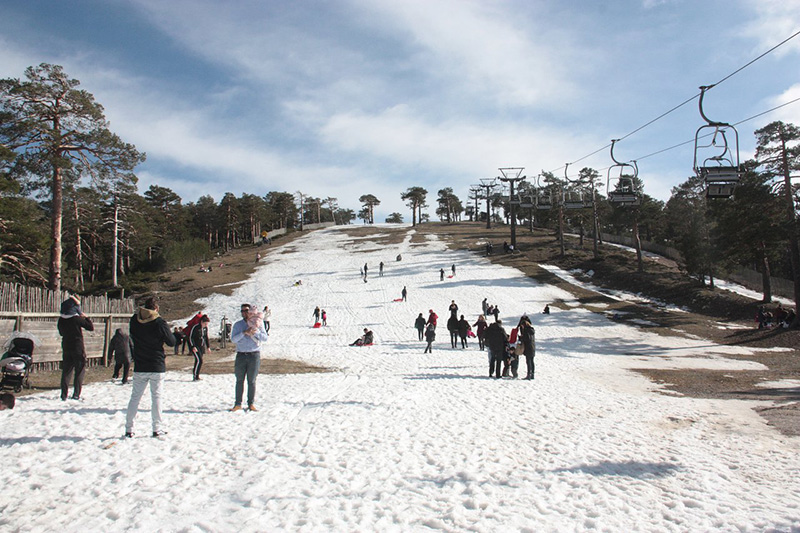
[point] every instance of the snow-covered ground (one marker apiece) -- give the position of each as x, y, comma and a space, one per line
397, 440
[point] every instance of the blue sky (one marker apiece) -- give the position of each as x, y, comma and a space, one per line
346, 97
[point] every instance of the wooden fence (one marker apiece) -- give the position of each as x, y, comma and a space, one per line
36, 311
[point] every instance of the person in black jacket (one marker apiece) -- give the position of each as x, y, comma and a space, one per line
452, 327
420, 325
496, 341
120, 348
150, 333
73, 358
198, 343
430, 336
463, 330
528, 337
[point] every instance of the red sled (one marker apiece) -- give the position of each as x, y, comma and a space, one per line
397, 300
512, 339
470, 334
317, 325
450, 276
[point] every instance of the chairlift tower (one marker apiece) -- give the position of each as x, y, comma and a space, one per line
488, 184
511, 175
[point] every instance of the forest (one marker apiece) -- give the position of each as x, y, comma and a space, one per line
72, 215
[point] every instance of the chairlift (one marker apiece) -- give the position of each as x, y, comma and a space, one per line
528, 202
575, 199
717, 162
622, 188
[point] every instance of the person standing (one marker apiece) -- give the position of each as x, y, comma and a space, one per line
73, 352
453, 269
380, 270
527, 335
120, 348
404, 294
496, 341
324, 317
198, 342
248, 358
430, 336
452, 327
180, 339
149, 333
432, 318
420, 325
316, 315
485, 306
441, 274
463, 330
453, 307
496, 313
480, 330
365, 272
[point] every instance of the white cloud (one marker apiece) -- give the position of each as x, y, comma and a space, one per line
774, 21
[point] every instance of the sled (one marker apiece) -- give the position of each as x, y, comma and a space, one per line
450, 276
317, 325
512, 339
470, 334
397, 300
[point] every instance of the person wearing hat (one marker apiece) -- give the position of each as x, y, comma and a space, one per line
70, 326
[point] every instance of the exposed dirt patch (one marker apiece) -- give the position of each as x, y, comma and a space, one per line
720, 316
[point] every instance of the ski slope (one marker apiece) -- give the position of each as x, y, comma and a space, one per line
396, 440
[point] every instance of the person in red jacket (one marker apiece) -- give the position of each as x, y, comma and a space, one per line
432, 317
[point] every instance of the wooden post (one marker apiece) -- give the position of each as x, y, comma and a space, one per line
107, 340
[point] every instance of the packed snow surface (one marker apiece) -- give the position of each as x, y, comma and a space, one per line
396, 440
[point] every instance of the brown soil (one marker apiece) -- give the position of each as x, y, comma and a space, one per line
662, 280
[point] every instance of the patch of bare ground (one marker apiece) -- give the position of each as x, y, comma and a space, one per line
719, 316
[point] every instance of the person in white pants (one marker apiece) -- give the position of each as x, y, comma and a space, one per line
150, 333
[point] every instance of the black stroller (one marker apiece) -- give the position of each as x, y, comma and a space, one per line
17, 361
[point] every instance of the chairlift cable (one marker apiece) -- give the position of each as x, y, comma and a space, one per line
689, 100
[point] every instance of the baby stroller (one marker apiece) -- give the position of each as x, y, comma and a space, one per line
17, 361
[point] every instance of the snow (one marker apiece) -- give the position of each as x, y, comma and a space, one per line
396, 440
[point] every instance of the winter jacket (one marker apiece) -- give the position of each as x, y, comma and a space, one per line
432, 319
368, 337
430, 335
527, 335
481, 328
71, 330
120, 348
420, 323
496, 337
150, 333
198, 338
452, 323
463, 327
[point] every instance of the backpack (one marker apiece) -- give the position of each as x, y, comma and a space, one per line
192, 322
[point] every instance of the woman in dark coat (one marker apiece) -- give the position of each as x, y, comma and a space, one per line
452, 327
463, 329
480, 326
528, 337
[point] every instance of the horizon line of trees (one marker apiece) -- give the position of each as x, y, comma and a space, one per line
69, 204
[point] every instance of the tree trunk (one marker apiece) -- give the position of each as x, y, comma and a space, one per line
78, 247
115, 246
637, 241
54, 279
766, 275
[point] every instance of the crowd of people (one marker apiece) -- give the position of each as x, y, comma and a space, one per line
780, 317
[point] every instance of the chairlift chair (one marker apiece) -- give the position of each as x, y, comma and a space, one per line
574, 200
621, 187
719, 170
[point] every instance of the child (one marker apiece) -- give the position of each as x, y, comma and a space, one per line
71, 307
255, 319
